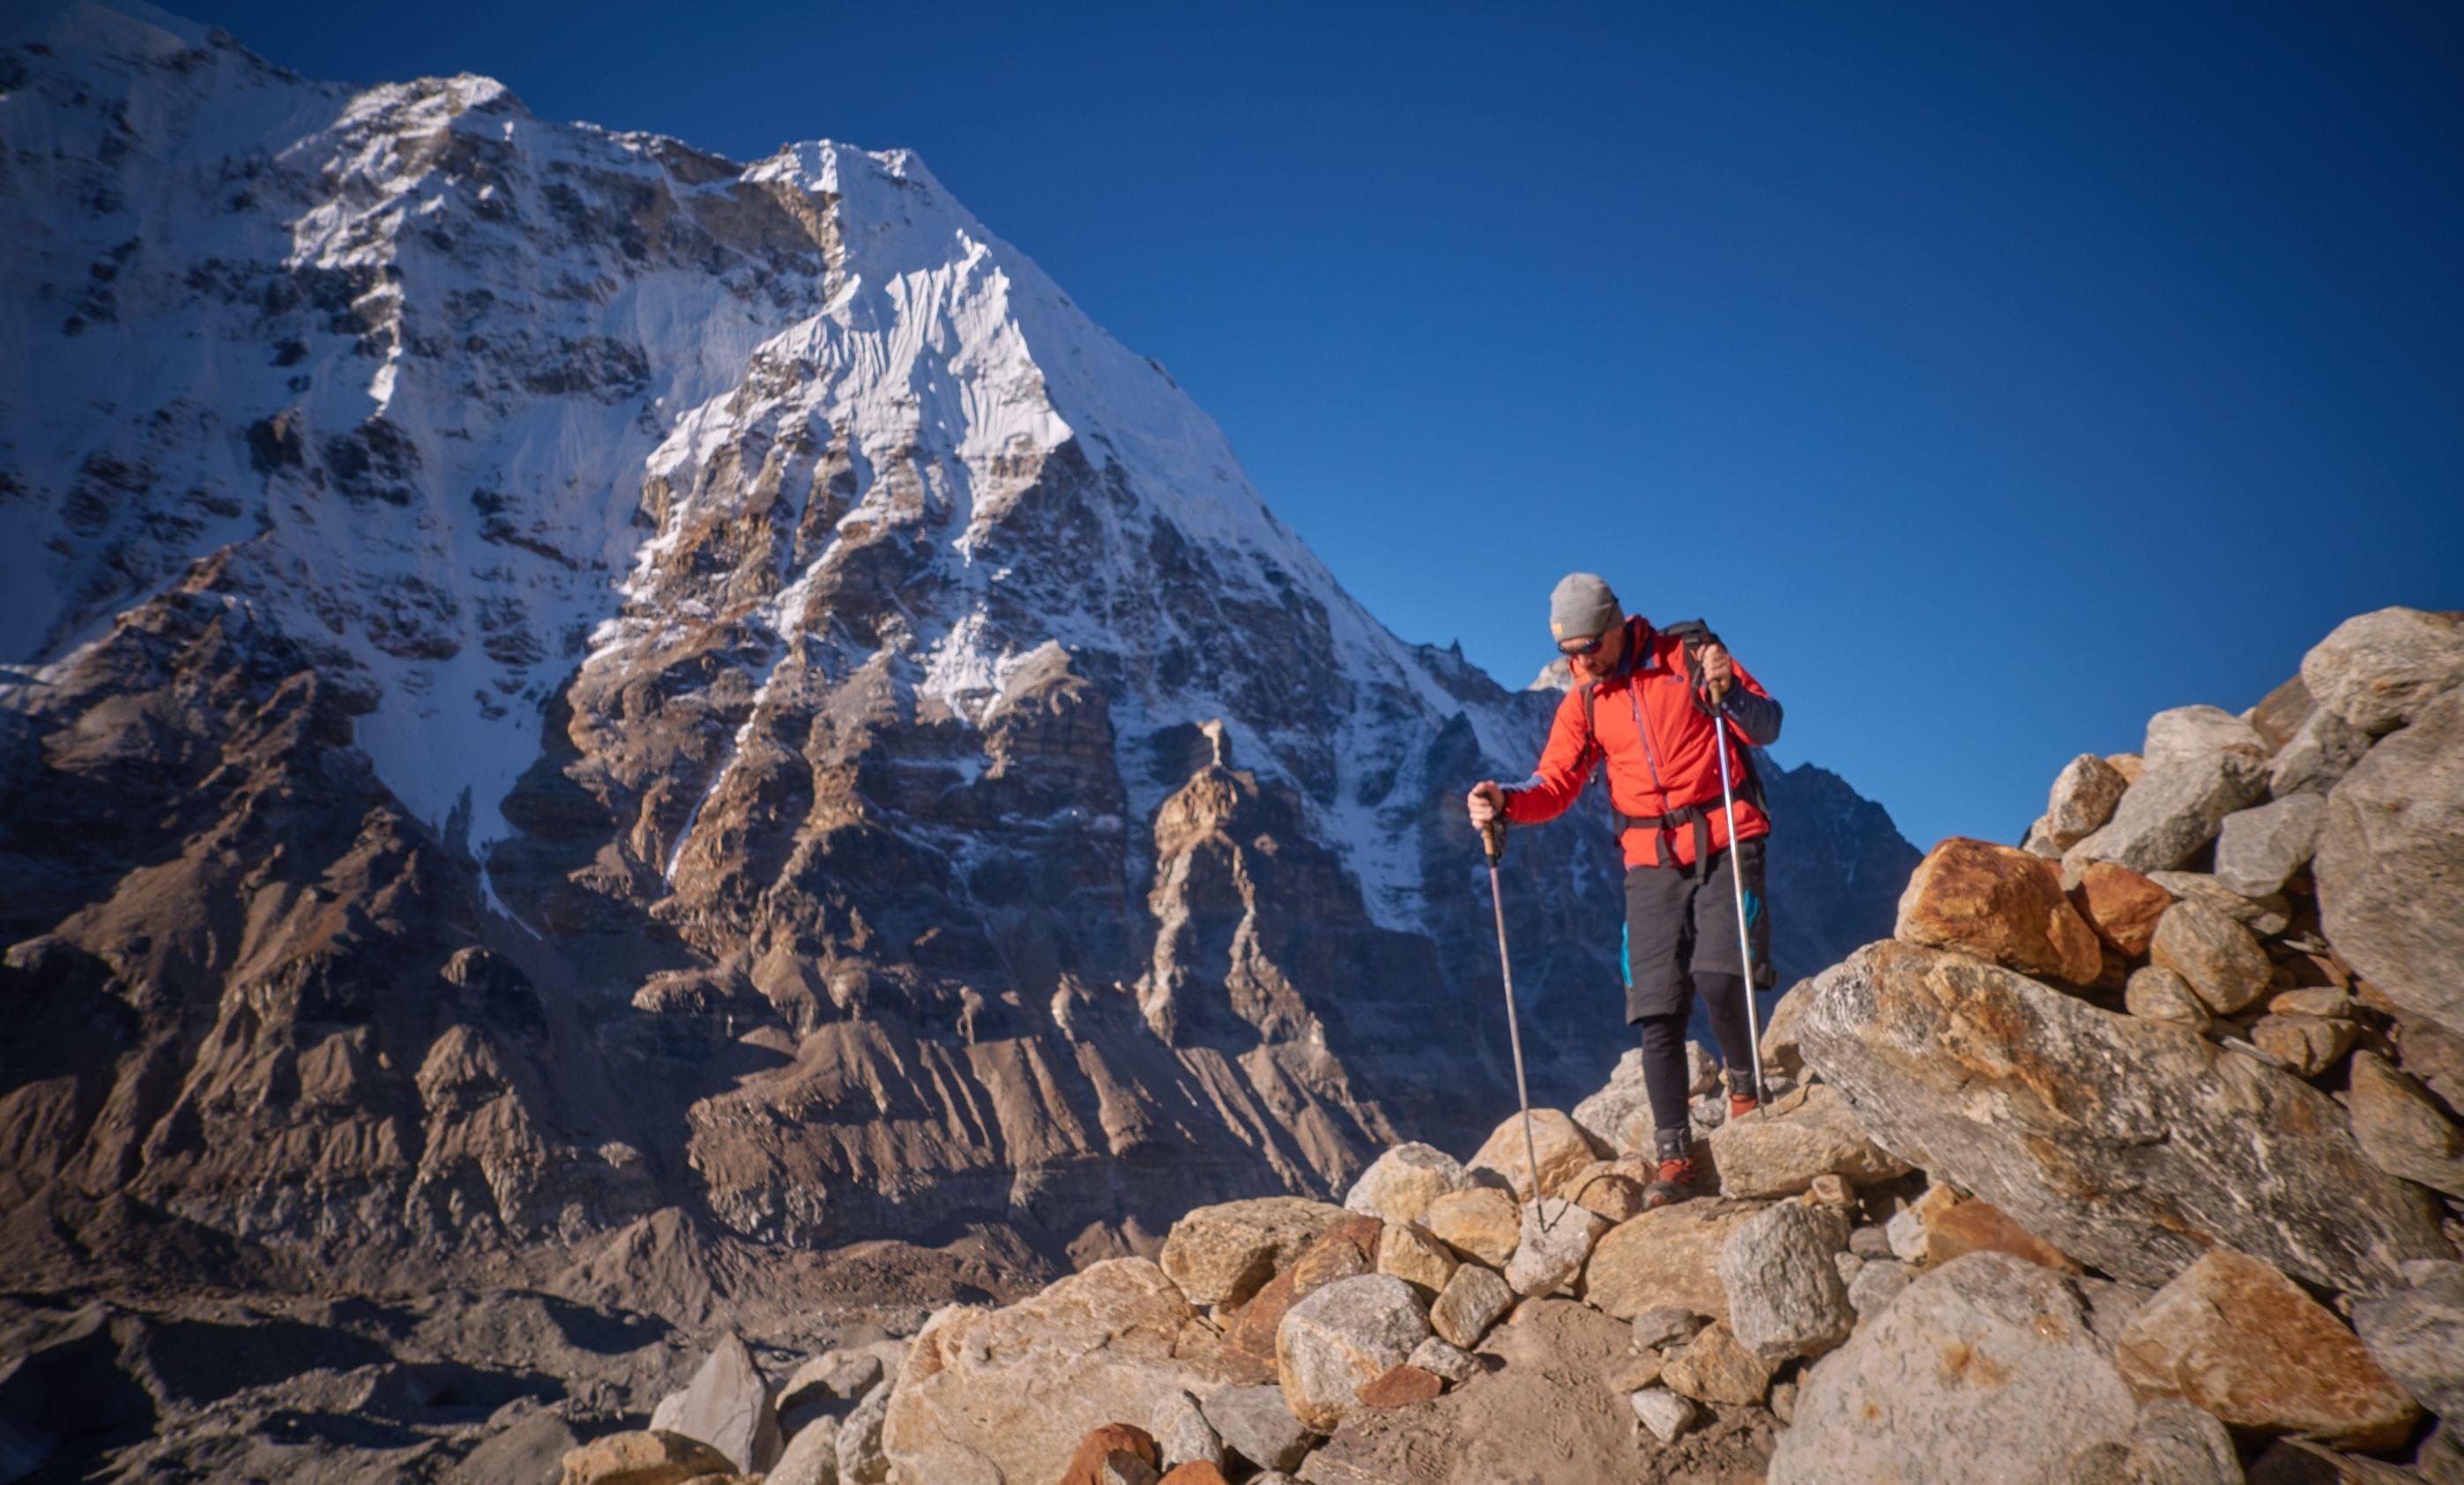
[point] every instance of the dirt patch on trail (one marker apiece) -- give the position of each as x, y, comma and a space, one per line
1545, 1410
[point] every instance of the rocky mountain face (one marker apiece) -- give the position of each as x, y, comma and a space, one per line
2111, 1165
558, 683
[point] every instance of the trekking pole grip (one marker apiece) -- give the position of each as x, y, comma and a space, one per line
1492, 841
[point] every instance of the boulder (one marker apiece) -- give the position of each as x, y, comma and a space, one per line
1604, 1114
1564, 1150
1611, 1190
2390, 865
1413, 1255
2162, 995
2171, 1444
1114, 1446
2281, 713
1345, 1249
1341, 1337
1556, 1237
843, 1374
2417, 1335
2259, 849
1400, 1185
1224, 1253
2322, 750
2121, 905
1018, 1387
2171, 813
2130, 765
2234, 1337
1780, 1054
2186, 734
811, 1457
1953, 1229
861, 1458
2000, 903
1986, 1368
2131, 1144
1716, 1367
2378, 670
1481, 1223
1470, 1303
1785, 1296
648, 1456
2304, 1045
2266, 917
726, 1405
1669, 1256
1663, 1413
1400, 1386
1444, 1359
2216, 957
2399, 1129
1257, 1425
1182, 1434
2084, 796
1876, 1285
1800, 1137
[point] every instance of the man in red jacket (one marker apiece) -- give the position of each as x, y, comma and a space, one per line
1640, 712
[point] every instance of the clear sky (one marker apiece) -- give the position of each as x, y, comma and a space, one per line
1992, 376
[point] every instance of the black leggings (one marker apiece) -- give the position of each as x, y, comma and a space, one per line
1663, 1044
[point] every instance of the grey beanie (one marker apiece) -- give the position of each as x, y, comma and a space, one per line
1581, 603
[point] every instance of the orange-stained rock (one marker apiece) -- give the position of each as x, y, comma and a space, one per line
1563, 1148
1955, 1228
2001, 904
1193, 1471
1669, 1256
2121, 905
1401, 1387
1249, 1348
647, 1456
2130, 765
2234, 1337
1481, 1223
1087, 1466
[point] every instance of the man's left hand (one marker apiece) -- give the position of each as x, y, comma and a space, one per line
1717, 673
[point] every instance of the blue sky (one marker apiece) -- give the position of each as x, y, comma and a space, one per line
1992, 376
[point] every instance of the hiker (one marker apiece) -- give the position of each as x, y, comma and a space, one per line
1641, 705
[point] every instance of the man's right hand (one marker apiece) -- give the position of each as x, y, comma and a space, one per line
1486, 803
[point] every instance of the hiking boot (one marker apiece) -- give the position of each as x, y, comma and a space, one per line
1741, 1104
1675, 1183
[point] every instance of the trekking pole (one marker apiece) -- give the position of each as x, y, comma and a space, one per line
1492, 840
1737, 878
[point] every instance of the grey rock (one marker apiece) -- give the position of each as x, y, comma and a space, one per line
2129, 1144
1665, 1413
842, 1374
1440, 1359
1256, 1424
1784, 1298
726, 1405
812, 1456
858, 1445
1984, 1369
2171, 813
1470, 1304
2159, 994
2321, 753
1400, 1185
2416, 1335
2266, 917
2171, 1444
1605, 1114
2216, 957
2258, 848
1557, 1236
2379, 670
1905, 1234
2083, 800
1183, 1434
1341, 1337
1783, 1401
1665, 1323
2390, 865
1870, 1242
2399, 1127
2185, 734
1877, 1285
1849, 1265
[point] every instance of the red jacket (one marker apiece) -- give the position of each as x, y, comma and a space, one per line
1659, 747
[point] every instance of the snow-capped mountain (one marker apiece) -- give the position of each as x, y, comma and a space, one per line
552, 674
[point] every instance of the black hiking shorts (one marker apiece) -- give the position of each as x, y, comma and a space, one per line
1681, 919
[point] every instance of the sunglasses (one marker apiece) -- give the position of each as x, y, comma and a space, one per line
1586, 647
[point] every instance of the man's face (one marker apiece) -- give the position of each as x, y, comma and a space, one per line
1592, 657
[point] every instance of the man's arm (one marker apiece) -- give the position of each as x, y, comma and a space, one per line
1750, 710
1566, 765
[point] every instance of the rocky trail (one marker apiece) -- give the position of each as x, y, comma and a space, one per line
2132, 1156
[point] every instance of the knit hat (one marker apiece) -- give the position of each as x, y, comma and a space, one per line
1581, 603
